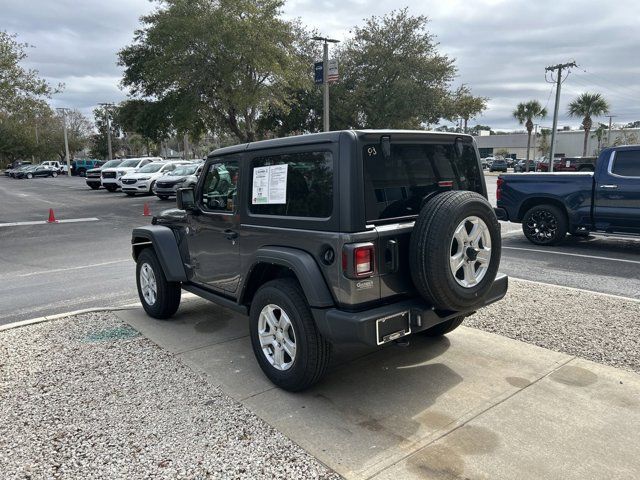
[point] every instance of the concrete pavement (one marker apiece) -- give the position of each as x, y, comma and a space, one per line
469, 405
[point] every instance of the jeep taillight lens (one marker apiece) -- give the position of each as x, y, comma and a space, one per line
363, 261
358, 260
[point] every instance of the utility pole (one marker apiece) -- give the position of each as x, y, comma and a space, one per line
66, 140
325, 82
559, 68
609, 132
107, 106
535, 139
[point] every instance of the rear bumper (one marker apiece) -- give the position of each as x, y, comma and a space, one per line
339, 326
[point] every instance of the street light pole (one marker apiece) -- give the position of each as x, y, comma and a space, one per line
66, 140
107, 106
325, 83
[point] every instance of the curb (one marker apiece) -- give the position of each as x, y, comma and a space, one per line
33, 321
583, 290
47, 318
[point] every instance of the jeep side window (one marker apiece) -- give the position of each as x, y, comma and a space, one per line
309, 185
220, 185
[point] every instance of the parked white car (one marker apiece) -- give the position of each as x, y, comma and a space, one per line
110, 177
143, 179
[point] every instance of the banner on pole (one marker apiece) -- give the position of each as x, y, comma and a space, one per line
332, 72
318, 69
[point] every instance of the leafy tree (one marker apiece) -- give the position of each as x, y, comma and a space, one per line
525, 112
226, 62
475, 130
544, 146
462, 104
20, 89
625, 137
99, 143
149, 119
586, 106
392, 75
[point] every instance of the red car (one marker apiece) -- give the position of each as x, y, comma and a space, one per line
570, 164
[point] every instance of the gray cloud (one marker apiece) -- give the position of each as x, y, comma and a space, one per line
501, 47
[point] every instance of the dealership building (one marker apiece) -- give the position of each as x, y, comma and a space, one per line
568, 143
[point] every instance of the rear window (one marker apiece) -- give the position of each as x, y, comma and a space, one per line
396, 187
306, 192
627, 163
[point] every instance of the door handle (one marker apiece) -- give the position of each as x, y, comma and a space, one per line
609, 187
230, 234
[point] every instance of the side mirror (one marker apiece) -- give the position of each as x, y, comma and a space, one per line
186, 199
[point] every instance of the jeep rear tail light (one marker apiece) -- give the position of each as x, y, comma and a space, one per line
499, 184
358, 260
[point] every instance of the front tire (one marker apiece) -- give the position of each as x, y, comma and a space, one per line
287, 345
545, 225
131, 194
110, 188
94, 187
29, 176
159, 297
54, 174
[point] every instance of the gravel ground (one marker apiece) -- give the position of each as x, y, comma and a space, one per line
596, 327
88, 397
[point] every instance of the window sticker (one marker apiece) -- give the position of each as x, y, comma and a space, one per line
269, 185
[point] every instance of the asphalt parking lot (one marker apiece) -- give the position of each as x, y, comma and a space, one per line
53, 268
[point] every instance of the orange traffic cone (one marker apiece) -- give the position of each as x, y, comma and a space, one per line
146, 212
52, 217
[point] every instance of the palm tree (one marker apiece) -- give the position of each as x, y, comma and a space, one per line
525, 113
586, 106
599, 133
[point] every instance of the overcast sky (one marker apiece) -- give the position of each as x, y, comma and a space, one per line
501, 47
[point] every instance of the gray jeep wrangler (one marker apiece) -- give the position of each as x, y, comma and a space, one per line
338, 237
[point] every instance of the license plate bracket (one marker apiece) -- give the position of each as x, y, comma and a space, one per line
393, 327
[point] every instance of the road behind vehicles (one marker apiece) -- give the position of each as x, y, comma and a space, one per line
110, 177
339, 237
143, 180
570, 164
498, 165
93, 175
550, 205
183, 176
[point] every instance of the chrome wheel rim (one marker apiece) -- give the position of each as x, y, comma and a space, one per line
470, 252
277, 337
148, 285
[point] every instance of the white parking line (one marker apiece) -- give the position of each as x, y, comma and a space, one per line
596, 257
44, 222
57, 270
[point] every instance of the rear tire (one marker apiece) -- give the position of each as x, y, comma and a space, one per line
54, 174
545, 225
159, 297
455, 250
443, 328
82, 172
287, 345
29, 176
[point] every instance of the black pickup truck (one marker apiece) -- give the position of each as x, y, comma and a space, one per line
551, 204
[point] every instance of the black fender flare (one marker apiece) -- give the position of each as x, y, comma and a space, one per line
163, 241
303, 265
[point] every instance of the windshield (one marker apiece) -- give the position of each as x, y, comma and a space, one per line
151, 168
397, 186
112, 163
184, 170
130, 163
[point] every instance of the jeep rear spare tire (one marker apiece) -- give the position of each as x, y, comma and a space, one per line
455, 250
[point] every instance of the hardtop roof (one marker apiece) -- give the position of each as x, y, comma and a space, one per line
325, 137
